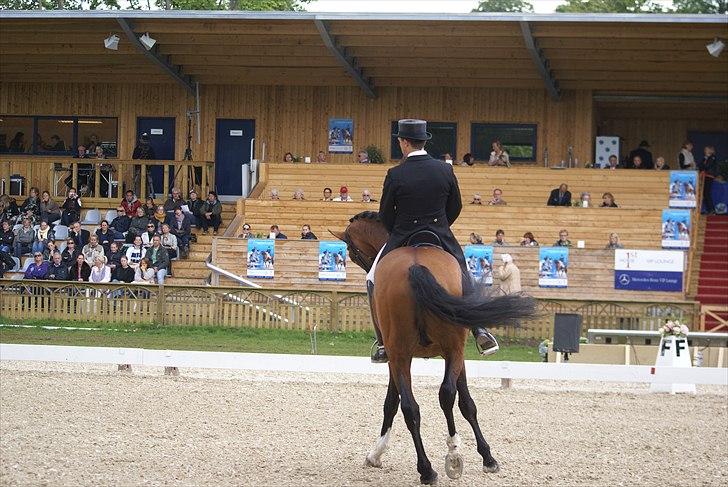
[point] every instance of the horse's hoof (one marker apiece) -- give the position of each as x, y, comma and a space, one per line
492, 468
369, 462
430, 480
454, 465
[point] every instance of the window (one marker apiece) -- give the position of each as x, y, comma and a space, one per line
45, 135
16, 134
443, 141
54, 136
519, 140
93, 132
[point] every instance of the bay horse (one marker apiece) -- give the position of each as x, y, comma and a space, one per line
425, 308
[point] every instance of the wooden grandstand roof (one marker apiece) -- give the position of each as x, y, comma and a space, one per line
656, 54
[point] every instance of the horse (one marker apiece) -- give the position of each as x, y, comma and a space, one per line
425, 307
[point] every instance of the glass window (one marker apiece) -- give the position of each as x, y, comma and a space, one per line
54, 135
444, 140
16, 134
98, 132
519, 140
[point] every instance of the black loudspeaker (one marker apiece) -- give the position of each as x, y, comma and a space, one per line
567, 331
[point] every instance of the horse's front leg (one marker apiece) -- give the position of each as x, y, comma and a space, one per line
391, 403
448, 390
470, 413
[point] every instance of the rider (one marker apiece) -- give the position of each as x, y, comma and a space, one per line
421, 193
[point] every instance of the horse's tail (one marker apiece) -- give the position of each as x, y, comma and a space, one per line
475, 308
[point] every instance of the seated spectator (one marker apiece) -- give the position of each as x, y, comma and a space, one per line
327, 195
129, 204
7, 263
49, 209
686, 160
138, 225
123, 272
560, 196
78, 234
70, 253
584, 200
343, 194
497, 199
57, 269
477, 200
508, 275
50, 249
613, 163
169, 242
71, 208
144, 273
158, 259
274, 194
468, 160
211, 213
307, 234
608, 201
362, 157
366, 197
113, 257
100, 272
247, 233
38, 268
321, 157
276, 233
160, 216
24, 238
105, 235
92, 250
147, 236
149, 207
563, 240
500, 238
528, 240
175, 201
614, 242
31, 205
194, 205
8, 208
298, 195
645, 156
7, 237
447, 157
181, 227
135, 253
288, 157
79, 270
476, 239
499, 156
661, 165
637, 163
43, 235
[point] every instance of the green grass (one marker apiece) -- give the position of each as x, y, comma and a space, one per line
220, 339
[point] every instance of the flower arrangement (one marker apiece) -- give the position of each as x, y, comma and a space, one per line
674, 328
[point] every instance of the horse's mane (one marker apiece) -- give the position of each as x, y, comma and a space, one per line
365, 215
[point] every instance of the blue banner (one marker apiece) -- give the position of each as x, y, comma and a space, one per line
332, 261
676, 229
648, 281
341, 135
649, 270
261, 258
682, 189
553, 266
479, 259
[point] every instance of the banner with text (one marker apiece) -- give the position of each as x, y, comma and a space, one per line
261, 257
341, 135
682, 189
332, 261
676, 229
479, 259
553, 265
649, 270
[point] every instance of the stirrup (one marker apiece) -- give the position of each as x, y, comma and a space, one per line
378, 355
489, 344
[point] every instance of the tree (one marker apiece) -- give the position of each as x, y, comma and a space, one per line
610, 6
700, 6
146, 4
504, 6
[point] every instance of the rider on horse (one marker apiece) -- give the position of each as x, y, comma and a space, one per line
421, 194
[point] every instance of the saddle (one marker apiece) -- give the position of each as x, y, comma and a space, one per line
424, 238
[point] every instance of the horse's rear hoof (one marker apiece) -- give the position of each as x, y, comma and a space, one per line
430, 480
491, 468
372, 462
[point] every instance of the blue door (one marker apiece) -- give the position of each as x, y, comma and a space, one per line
161, 136
233, 139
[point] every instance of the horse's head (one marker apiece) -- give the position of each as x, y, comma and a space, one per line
364, 236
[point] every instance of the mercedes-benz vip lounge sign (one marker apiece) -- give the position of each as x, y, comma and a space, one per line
649, 270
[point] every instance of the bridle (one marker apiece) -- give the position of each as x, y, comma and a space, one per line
357, 256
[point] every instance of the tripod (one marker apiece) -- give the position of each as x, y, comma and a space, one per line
193, 178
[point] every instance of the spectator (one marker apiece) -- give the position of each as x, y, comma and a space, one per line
43, 235
274, 194
158, 259
129, 204
447, 157
343, 194
31, 205
499, 156
288, 157
8, 208
24, 238
563, 240
194, 205
307, 234
99, 151
613, 163
644, 155
508, 275
144, 149
79, 270
147, 236
169, 242
211, 211
637, 163
138, 225
476, 239
327, 195
174, 202
247, 233
49, 209
709, 168
614, 242
57, 269
366, 197
50, 249
70, 253
38, 268
584, 200
113, 257
71, 208
661, 165
276, 233
150, 207
529, 240
135, 253
105, 235
298, 195
100, 272
608, 201
18, 143
500, 238
160, 216
144, 273
7, 263
79, 235
685, 158
477, 200
560, 196
92, 250
181, 227
362, 157
468, 160
7, 237
123, 273
321, 157
497, 199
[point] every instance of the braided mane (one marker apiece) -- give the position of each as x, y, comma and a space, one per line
365, 215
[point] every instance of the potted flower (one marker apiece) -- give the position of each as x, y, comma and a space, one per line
674, 329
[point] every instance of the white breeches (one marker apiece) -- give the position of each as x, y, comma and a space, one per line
370, 274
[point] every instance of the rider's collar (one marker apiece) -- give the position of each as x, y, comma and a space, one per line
418, 152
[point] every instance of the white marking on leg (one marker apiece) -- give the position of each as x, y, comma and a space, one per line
453, 459
453, 442
374, 458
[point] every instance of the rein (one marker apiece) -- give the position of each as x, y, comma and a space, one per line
357, 256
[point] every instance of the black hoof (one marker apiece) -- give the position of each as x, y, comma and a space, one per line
430, 479
491, 467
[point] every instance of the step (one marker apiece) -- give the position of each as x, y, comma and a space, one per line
713, 281
196, 273
713, 273
718, 248
720, 299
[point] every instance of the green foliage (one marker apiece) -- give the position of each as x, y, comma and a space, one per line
375, 154
504, 6
700, 6
610, 6
146, 4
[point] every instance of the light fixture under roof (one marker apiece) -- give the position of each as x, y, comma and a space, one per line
715, 47
147, 41
112, 42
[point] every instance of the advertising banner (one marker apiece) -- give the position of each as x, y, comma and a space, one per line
261, 258
553, 265
649, 270
676, 229
479, 259
682, 189
341, 135
332, 261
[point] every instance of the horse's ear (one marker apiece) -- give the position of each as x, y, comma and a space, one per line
338, 235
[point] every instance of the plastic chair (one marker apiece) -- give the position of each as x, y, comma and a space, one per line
61, 232
17, 264
26, 264
110, 215
93, 217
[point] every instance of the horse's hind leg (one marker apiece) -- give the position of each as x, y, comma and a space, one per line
453, 459
391, 403
470, 413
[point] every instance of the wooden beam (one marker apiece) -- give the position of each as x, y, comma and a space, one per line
153, 55
461, 82
443, 63
621, 44
641, 32
638, 66
253, 61
349, 64
417, 53
435, 41
542, 64
664, 86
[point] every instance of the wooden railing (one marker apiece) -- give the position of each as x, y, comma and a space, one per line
714, 311
283, 309
106, 179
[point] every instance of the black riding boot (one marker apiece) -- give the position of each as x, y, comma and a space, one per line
486, 342
379, 355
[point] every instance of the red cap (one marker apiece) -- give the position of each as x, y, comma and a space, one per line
343, 189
